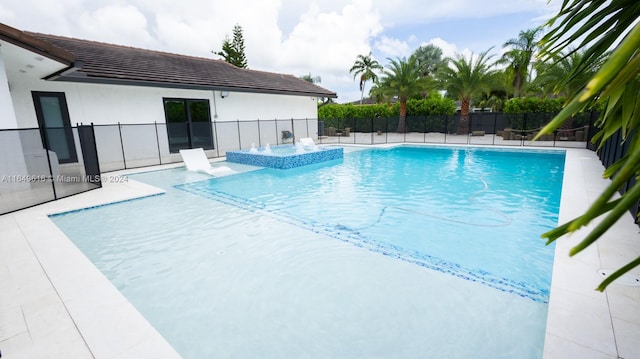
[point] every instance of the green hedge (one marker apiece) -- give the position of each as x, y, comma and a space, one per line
367, 118
434, 105
533, 105
349, 111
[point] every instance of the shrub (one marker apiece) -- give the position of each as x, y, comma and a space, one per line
434, 105
533, 105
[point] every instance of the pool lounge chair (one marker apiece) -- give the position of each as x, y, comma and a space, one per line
195, 160
307, 141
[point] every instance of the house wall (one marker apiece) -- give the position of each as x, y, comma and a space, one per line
112, 104
12, 162
7, 113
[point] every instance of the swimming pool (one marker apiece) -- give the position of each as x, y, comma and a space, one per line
374, 255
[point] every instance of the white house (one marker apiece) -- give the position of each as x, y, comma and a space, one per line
50, 83
147, 104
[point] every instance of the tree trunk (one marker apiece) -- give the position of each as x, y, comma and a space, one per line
463, 126
518, 84
402, 123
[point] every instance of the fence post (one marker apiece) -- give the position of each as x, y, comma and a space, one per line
239, 137
95, 151
259, 135
523, 133
589, 134
46, 146
424, 130
470, 128
405, 128
495, 127
215, 134
446, 127
155, 125
372, 130
124, 160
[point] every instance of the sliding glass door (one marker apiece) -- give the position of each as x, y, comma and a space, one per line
188, 123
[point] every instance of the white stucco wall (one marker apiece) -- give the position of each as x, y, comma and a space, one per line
7, 113
110, 104
12, 162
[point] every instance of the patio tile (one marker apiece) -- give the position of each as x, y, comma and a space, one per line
627, 335
624, 302
587, 324
12, 323
560, 348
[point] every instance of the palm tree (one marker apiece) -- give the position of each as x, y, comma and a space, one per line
429, 60
598, 26
465, 78
365, 66
551, 81
403, 79
519, 57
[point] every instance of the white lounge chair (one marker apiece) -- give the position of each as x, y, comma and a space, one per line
307, 143
195, 160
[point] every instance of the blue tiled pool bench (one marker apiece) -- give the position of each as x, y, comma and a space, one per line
285, 157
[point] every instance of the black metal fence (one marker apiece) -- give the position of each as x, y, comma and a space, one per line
125, 146
480, 128
39, 166
613, 149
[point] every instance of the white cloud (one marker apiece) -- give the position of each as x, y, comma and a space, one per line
448, 49
131, 29
330, 41
392, 47
6, 13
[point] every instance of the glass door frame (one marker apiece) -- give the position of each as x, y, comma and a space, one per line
66, 123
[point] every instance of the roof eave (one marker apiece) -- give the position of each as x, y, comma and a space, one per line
33, 44
78, 77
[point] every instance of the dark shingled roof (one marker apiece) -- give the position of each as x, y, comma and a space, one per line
98, 62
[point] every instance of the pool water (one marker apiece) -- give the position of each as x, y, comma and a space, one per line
404, 252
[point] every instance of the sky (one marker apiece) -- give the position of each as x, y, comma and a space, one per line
297, 37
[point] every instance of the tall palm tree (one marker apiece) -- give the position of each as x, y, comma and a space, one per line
519, 56
465, 78
365, 66
429, 60
552, 74
402, 79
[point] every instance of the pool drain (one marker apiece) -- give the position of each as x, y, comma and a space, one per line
628, 279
